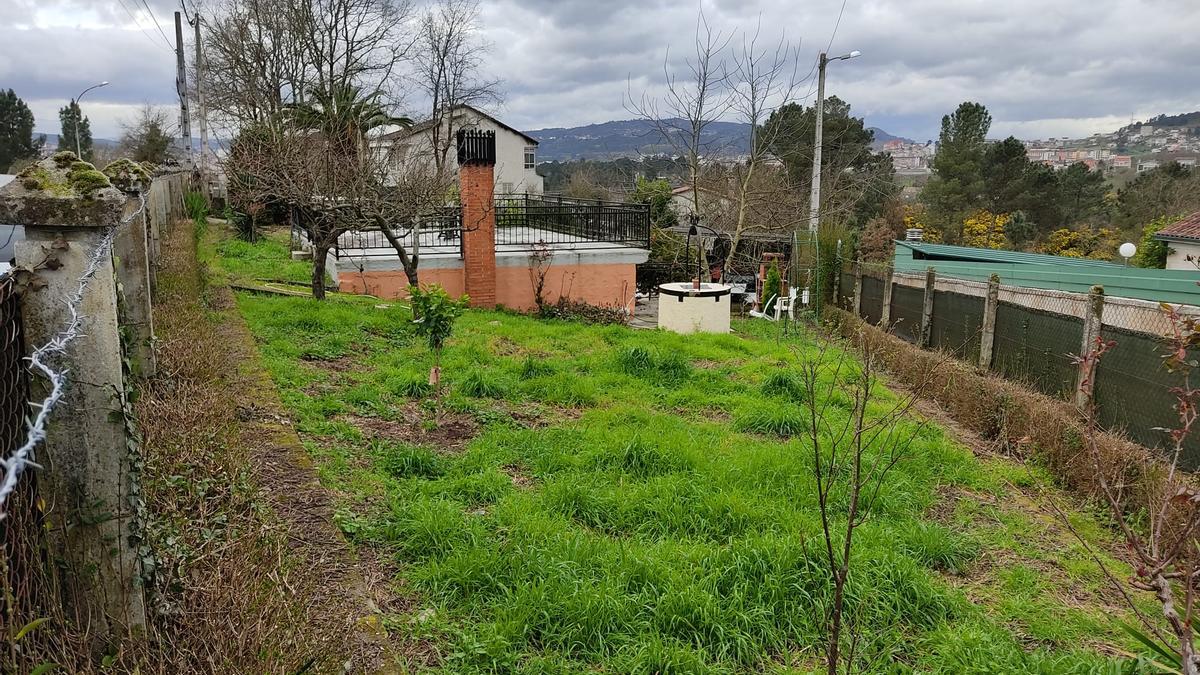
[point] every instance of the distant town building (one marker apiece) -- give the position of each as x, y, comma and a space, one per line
909, 157
1147, 164
1121, 162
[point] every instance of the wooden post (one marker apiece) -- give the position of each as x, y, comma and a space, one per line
987, 337
858, 290
885, 315
1092, 316
927, 307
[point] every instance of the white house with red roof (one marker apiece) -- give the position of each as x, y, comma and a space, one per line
1183, 240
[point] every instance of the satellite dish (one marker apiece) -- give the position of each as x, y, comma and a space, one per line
1127, 250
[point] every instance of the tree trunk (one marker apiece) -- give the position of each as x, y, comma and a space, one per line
835, 629
409, 262
318, 278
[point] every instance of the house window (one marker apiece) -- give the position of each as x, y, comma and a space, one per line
530, 156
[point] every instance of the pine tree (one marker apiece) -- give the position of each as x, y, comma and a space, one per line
957, 185
69, 115
16, 131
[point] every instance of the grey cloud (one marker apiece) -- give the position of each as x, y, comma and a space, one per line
1037, 64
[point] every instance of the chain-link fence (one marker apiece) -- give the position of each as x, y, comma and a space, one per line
957, 323
872, 299
22, 526
908, 303
1035, 347
1036, 336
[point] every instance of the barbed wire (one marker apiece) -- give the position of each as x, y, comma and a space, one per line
57, 345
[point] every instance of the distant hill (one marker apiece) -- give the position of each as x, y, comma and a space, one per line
632, 138
638, 138
52, 141
882, 137
1191, 119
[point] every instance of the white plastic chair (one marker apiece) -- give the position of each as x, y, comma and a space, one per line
786, 304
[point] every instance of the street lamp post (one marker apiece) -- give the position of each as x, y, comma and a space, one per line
79, 113
814, 199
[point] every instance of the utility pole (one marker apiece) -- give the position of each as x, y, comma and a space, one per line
814, 198
185, 125
200, 103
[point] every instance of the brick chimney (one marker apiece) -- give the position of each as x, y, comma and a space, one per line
476, 178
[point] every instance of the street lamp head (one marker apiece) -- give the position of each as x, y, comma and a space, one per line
854, 54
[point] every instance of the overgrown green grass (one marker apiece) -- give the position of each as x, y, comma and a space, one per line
642, 502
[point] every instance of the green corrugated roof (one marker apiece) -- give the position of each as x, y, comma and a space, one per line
970, 254
1036, 270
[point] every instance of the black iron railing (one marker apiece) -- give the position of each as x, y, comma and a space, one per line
439, 232
527, 219
523, 221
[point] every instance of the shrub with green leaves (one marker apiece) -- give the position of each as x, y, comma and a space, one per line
434, 314
196, 206
772, 287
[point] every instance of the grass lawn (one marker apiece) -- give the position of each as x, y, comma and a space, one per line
594, 498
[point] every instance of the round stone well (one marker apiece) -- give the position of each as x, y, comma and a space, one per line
683, 308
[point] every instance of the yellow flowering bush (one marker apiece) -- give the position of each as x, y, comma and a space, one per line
984, 229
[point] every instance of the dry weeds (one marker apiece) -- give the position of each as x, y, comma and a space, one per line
253, 576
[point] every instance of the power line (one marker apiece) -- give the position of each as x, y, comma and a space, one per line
139, 25
836, 24
158, 25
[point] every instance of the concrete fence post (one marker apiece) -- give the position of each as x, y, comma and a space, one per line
927, 306
886, 311
88, 476
858, 290
837, 286
987, 336
132, 263
1092, 317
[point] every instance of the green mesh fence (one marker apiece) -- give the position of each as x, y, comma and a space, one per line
956, 325
907, 303
1133, 392
845, 298
871, 306
1036, 348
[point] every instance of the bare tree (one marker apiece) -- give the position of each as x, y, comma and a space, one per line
447, 64
1158, 515
263, 55
359, 43
695, 97
761, 79
317, 163
852, 453
254, 61
148, 136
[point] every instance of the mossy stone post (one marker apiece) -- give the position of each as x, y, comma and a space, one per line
927, 306
987, 335
1093, 315
132, 263
88, 480
885, 313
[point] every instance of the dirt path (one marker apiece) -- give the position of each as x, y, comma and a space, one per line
253, 574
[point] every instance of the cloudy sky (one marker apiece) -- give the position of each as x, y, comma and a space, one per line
1043, 67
